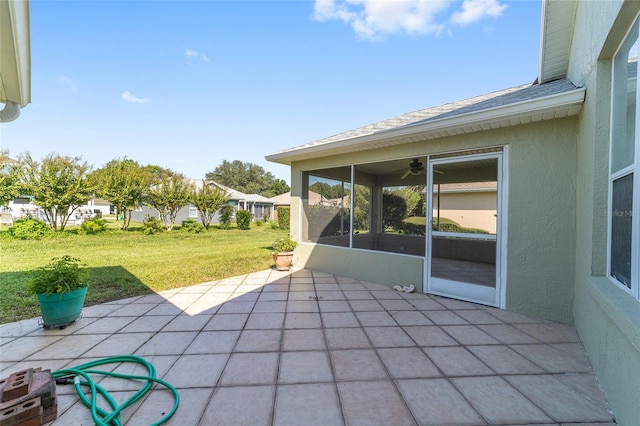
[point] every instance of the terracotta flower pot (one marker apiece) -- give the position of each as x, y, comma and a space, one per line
283, 260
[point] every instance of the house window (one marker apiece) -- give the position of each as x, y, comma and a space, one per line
326, 206
624, 205
193, 212
373, 206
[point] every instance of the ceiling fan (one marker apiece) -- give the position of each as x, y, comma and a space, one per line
415, 168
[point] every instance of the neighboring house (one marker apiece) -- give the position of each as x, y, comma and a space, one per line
284, 200
471, 204
25, 206
259, 206
563, 152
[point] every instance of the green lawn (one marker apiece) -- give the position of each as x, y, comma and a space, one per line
124, 264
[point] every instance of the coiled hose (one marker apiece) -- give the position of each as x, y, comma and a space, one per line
80, 376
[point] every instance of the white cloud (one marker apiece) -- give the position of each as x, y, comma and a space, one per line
128, 97
476, 10
191, 53
373, 19
67, 81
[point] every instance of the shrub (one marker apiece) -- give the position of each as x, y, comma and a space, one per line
415, 225
29, 229
284, 217
226, 212
61, 275
243, 219
259, 222
152, 225
192, 225
283, 245
93, 226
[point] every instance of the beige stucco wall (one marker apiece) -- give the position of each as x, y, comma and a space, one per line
469, 209
541, 213
606, 317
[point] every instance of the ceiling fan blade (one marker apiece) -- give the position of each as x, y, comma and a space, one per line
405, 174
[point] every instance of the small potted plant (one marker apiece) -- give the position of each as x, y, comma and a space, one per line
283, 253
61, 288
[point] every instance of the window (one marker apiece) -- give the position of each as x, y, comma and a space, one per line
193, 212
624, 227
374, 206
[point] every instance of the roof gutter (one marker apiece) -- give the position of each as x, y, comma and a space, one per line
544, 108
15, 58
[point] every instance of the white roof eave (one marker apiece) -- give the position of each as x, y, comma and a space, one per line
15, 52
550, 107
556, 35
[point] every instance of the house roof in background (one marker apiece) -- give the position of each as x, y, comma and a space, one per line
509, 107
282, 199
234, 194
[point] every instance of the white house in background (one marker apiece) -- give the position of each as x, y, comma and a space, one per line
24, 206
259, 206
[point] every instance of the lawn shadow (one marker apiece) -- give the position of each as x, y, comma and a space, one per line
108, 283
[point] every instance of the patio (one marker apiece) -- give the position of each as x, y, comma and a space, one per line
308, 348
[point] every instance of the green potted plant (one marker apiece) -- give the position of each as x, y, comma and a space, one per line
61, 288
283, 253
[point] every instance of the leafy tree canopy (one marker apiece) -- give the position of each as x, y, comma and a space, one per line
248, 178
58, 184
123, 183
168, 194
9, 179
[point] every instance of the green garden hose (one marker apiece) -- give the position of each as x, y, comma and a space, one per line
80, 376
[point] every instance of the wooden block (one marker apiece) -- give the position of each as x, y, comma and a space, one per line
17, 385
36, 421
49, 414
43, 386
21, 413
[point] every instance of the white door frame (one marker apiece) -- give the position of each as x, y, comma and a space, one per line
464, 291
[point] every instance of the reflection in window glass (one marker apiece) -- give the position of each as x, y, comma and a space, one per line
326, 207
621, 217
623, 230
625, 70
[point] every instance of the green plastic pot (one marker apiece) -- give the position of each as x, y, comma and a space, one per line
60, 309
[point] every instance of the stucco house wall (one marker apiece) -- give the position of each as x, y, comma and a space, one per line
558, 199
606, 317
541, 217
468, 209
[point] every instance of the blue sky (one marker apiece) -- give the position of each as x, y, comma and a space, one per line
188, 84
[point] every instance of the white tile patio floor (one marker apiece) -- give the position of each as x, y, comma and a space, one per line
306, 348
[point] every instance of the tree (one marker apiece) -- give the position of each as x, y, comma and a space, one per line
9, 179
123, 183
361, 208
208, 199
59, 185
169, 193
394, 210
331, 193
248, 178
414, 198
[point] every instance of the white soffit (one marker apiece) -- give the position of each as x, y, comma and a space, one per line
559, 105
556, 36
15, 53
